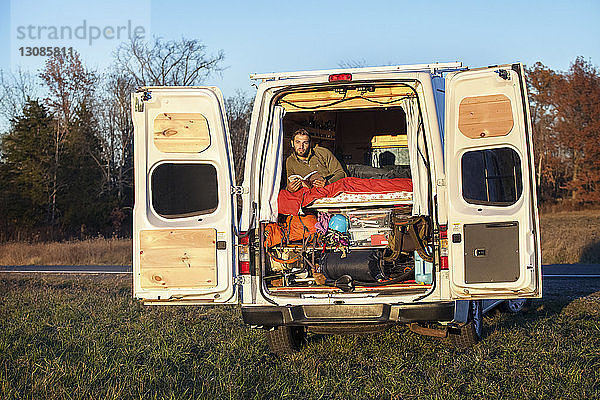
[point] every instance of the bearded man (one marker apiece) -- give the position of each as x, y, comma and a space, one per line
304, 160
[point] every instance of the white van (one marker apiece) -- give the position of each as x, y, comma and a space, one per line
461, 136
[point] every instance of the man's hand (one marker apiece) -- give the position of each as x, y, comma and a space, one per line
294, 185
319, 183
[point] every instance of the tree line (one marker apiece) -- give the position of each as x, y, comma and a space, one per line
66, 154
565, 113
66, 166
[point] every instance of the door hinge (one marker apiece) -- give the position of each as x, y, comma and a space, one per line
138, 105
239, 190
238, 280
502, 73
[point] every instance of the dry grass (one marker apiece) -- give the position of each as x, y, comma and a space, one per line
567, 237
571, 237
81, 252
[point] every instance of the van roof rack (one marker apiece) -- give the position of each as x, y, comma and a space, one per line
434, 67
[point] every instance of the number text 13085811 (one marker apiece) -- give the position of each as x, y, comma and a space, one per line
46, 51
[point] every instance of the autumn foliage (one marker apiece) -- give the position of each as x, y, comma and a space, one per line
565, 111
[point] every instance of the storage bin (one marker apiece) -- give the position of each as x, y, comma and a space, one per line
423, 270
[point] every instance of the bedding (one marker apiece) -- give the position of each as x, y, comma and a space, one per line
291, 203
362, 200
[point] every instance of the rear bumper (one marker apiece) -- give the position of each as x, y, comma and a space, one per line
270, 316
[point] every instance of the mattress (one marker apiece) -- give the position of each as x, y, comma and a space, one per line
348, 191
363, 199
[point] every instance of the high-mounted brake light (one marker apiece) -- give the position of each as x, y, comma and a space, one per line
244, 255
340, 77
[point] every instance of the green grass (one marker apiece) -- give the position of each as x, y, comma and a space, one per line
86, 338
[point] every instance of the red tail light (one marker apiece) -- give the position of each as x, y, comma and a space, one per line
443, 263
443, 247
245, 267
244, 255
340, 77
443, 231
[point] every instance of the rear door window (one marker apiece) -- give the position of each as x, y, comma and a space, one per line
491, 176
184, 190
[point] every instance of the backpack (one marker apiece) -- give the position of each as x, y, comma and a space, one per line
295, 227
300, 227
409, 234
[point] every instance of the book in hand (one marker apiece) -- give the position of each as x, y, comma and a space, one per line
307, 180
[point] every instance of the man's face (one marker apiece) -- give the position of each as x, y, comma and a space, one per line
301, 144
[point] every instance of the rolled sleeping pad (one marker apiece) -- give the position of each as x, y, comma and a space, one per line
361, 265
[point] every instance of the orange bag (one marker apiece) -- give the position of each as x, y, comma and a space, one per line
273, 235
300, 227
296, 227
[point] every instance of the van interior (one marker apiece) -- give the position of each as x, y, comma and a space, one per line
354, 242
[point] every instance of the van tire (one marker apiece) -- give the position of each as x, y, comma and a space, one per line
469, 334
515, 306
286, 339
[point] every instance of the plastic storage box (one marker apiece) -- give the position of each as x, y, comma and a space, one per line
374, 219
423, 270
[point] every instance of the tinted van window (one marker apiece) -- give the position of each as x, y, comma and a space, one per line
492, 176
184, 190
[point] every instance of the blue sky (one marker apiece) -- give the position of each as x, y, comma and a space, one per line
264, 36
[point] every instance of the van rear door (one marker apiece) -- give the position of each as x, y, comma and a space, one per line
184, 210
493, 233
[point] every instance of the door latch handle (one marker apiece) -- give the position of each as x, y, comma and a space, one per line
479, 252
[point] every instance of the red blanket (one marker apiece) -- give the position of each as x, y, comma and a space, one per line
290, 203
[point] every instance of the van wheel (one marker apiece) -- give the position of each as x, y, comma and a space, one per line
515, 306
469, 334
286, 339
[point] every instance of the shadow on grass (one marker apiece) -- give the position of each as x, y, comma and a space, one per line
561, 297
590, 254
317, 335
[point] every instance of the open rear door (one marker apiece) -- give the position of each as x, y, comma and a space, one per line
184, 208
493, 231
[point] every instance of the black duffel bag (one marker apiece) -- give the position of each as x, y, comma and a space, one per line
361, 265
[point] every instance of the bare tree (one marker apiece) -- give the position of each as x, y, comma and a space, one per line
541, 85
239, 109
15, 90
69, 85
361, 63
352, 63
161, 62
118, 132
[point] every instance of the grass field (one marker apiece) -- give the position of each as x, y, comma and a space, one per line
567, 238
80, 252
571, 237
86, 338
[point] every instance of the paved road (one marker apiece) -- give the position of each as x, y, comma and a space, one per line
568, 282
561, 281
571, 271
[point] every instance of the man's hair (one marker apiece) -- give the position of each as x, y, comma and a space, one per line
300, 131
